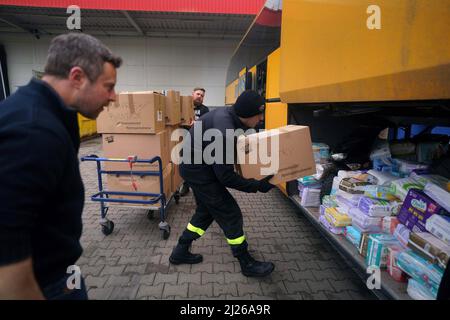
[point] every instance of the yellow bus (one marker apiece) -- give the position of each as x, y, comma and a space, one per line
347, 68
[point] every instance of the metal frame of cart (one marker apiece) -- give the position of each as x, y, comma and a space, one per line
103, 195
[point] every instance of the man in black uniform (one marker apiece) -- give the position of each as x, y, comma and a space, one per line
198, 94
209, 183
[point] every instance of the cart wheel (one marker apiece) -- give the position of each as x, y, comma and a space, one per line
165, 233
177, 198
108, 228
150, 214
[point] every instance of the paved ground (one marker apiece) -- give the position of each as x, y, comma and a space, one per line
132, 262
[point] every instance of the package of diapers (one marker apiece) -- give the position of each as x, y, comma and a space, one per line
328, 226
336, 218
377, 249
375, 207
380, 192
401, 187
439, 226
365, 222
418, 291
438, 194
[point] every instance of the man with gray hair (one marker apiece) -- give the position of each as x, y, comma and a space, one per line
41, 193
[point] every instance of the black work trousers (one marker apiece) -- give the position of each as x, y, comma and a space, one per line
214, 202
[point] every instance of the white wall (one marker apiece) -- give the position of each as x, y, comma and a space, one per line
149, 63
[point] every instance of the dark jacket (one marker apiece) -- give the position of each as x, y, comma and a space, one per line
41, 192
202, 173
200, 110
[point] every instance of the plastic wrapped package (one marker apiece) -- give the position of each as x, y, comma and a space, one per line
353, 185
439, 226
377, 249
353, 235
392, 268
427, 273
310, 197
328, 226
417, 209
418, 291
336, 218
401, 187
381, 178
365, 222
309, 181
321, 152
405, 167
438, 194
424, 177
389, 224
329, 200
380, 192
429, 247
401, 233
374, 207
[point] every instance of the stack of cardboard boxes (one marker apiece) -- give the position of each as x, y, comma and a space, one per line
140, 124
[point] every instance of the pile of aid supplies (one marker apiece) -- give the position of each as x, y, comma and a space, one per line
395, 214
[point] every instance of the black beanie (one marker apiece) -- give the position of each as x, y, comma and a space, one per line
249, 104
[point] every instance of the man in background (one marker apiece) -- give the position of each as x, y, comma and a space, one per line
198, 94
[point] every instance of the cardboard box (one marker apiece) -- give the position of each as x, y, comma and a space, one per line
133, 112
172, 144
187, 110
144, 146
148, 184
291, 158
173, 107
176, 178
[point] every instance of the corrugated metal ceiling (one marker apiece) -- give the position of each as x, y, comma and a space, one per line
51, 21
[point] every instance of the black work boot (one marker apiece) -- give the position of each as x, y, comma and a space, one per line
181, 254
252, 268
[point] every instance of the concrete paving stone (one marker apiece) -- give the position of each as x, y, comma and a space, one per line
147, 279
91, 270
303, 275
154, 259
343, 285
324, 274
103, 252
171, 278
157, 267
295, 287
118, 245
278, 275
96, 282
244, 297
128, 260
225, 289
177, 291
285, 266
273, 288
153, 291
118, 280
235, 277
100, 293
246, 288
217, 277
202, 267
186, 278
320, 285
132, 269
223, 267
203, 290
123, 293
102, 261
113, 270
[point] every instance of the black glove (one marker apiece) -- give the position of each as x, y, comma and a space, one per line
265, 185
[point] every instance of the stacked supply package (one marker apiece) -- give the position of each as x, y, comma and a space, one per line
134, 127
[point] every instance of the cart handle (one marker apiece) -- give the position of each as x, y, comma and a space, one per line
94, 158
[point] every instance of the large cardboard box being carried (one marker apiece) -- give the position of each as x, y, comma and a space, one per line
173, 107
133, 112
292, 157
144, 146
148, 184
187, 110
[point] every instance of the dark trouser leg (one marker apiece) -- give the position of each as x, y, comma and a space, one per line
224, 209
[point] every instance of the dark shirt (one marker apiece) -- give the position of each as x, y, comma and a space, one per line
200, 110
219, 171
41, 192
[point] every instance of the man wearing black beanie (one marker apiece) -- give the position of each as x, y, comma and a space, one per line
209, 182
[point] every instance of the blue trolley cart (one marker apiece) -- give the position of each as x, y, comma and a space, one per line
103, 196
